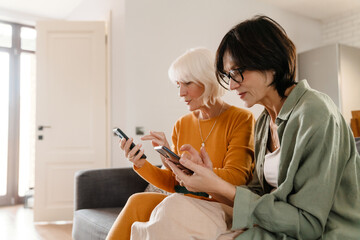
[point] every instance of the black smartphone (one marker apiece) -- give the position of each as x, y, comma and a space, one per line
167, 153
121, 135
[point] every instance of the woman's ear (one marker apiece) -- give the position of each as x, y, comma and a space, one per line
270, 75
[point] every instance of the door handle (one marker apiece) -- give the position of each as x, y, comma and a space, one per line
41, 127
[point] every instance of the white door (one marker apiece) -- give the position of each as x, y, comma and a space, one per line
71, 112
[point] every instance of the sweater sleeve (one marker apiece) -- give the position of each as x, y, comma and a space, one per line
239, 159
161, 178
315, 169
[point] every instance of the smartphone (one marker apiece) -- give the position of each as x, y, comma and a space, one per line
167, 153
122, 135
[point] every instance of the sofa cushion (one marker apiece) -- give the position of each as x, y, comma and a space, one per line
93, 224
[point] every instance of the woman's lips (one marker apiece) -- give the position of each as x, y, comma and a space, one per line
242, 95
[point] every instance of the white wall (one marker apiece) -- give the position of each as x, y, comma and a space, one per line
148, 35
21, 18
344, 28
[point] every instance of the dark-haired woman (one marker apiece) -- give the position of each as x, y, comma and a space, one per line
306, 182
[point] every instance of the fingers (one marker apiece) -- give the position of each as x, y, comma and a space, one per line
191, 154
158, 134
205, 157
179, 180
185, 155
126, 145
157, 142
160, 139
135, 155
132, 153
154, 135
122, 143
156, 138
189, 148
163, 160
179, 175
147, 137
137, 160
189, 164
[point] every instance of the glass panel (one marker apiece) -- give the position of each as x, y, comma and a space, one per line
5, 35
27, 123
4, 120
28, 38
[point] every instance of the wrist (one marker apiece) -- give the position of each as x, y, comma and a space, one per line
225, 189
140, 163
229, 192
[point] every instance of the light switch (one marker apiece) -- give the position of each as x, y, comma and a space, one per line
139, 130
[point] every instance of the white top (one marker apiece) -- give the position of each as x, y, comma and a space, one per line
271, 167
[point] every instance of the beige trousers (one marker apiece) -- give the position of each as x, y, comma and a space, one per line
181, 217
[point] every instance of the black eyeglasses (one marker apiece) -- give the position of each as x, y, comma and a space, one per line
234, 74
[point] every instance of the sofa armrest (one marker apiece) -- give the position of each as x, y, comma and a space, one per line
106, 188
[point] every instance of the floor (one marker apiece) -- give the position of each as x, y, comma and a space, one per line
16, 222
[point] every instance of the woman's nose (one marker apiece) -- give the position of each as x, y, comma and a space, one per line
182, 90
233, 85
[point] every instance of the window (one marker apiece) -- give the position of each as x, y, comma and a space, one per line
4, 120
17, 104
5, 35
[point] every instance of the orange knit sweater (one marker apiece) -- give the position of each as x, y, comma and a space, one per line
230, 147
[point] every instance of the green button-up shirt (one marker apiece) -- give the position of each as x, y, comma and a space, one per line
319, 175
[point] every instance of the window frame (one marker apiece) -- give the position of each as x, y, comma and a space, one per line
12, 197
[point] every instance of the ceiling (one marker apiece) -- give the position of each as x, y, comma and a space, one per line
316, 9
58, 9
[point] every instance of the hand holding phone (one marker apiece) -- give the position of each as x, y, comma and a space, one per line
122, 135
168, 154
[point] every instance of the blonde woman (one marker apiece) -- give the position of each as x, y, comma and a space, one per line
225, 131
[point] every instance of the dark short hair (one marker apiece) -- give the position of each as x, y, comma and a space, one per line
260, 44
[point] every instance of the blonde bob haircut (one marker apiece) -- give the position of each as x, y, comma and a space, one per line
198, 65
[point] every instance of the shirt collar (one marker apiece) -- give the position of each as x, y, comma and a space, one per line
292, 100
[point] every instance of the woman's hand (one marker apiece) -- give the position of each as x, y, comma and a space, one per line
131, 154
203, 179
157, 139
191, 154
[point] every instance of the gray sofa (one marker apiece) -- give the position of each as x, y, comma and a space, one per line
101, 194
